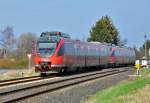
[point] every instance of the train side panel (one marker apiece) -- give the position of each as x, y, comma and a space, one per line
57, 59
104, 55
122, 56
69, 54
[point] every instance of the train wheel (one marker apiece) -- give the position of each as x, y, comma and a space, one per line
43, 74
62, 71
79, 69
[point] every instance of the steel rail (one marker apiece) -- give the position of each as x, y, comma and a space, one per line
23, 80
9, 81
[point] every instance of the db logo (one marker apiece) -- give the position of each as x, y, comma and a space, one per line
45, 60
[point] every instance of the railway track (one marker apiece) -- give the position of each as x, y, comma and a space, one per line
22, 80
17, 80
13, 94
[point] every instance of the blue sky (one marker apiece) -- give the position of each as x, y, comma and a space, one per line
76, 17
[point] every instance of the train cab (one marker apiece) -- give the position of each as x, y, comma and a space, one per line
49, 51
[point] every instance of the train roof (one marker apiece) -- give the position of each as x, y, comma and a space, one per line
68, 39
55, 33
122, 48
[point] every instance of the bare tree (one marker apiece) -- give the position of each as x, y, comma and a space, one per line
25, 44
8, 39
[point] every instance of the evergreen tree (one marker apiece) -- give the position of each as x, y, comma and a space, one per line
104, 31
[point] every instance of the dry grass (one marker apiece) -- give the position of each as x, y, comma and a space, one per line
13, 63
18, 74
139, 96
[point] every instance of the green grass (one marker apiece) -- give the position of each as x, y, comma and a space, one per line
22, 63
112, 94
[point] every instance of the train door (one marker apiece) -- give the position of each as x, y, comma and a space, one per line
78, 55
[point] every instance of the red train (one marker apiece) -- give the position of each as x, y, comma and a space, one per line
55, 51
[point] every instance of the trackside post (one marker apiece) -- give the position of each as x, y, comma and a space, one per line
137, 66
29, 58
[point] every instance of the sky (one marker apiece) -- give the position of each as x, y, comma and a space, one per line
76, 17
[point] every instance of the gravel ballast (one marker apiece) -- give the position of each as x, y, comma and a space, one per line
76, 94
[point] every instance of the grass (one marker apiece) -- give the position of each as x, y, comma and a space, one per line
138, 96
124, 91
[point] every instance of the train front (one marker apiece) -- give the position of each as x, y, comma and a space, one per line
46, 47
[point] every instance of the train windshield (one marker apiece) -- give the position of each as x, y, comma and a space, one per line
46, 49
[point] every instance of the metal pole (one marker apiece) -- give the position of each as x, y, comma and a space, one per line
29, 64
145, 47
149, 53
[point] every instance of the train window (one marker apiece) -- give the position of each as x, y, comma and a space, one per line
120, 52
108, 50
79, 51
83, 51
103, 51
69, 49
61, 51
117, 52
113, 53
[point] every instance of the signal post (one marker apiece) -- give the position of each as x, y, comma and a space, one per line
137, 66
29, 57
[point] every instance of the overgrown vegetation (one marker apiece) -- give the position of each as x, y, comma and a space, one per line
13, 63
117, 94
